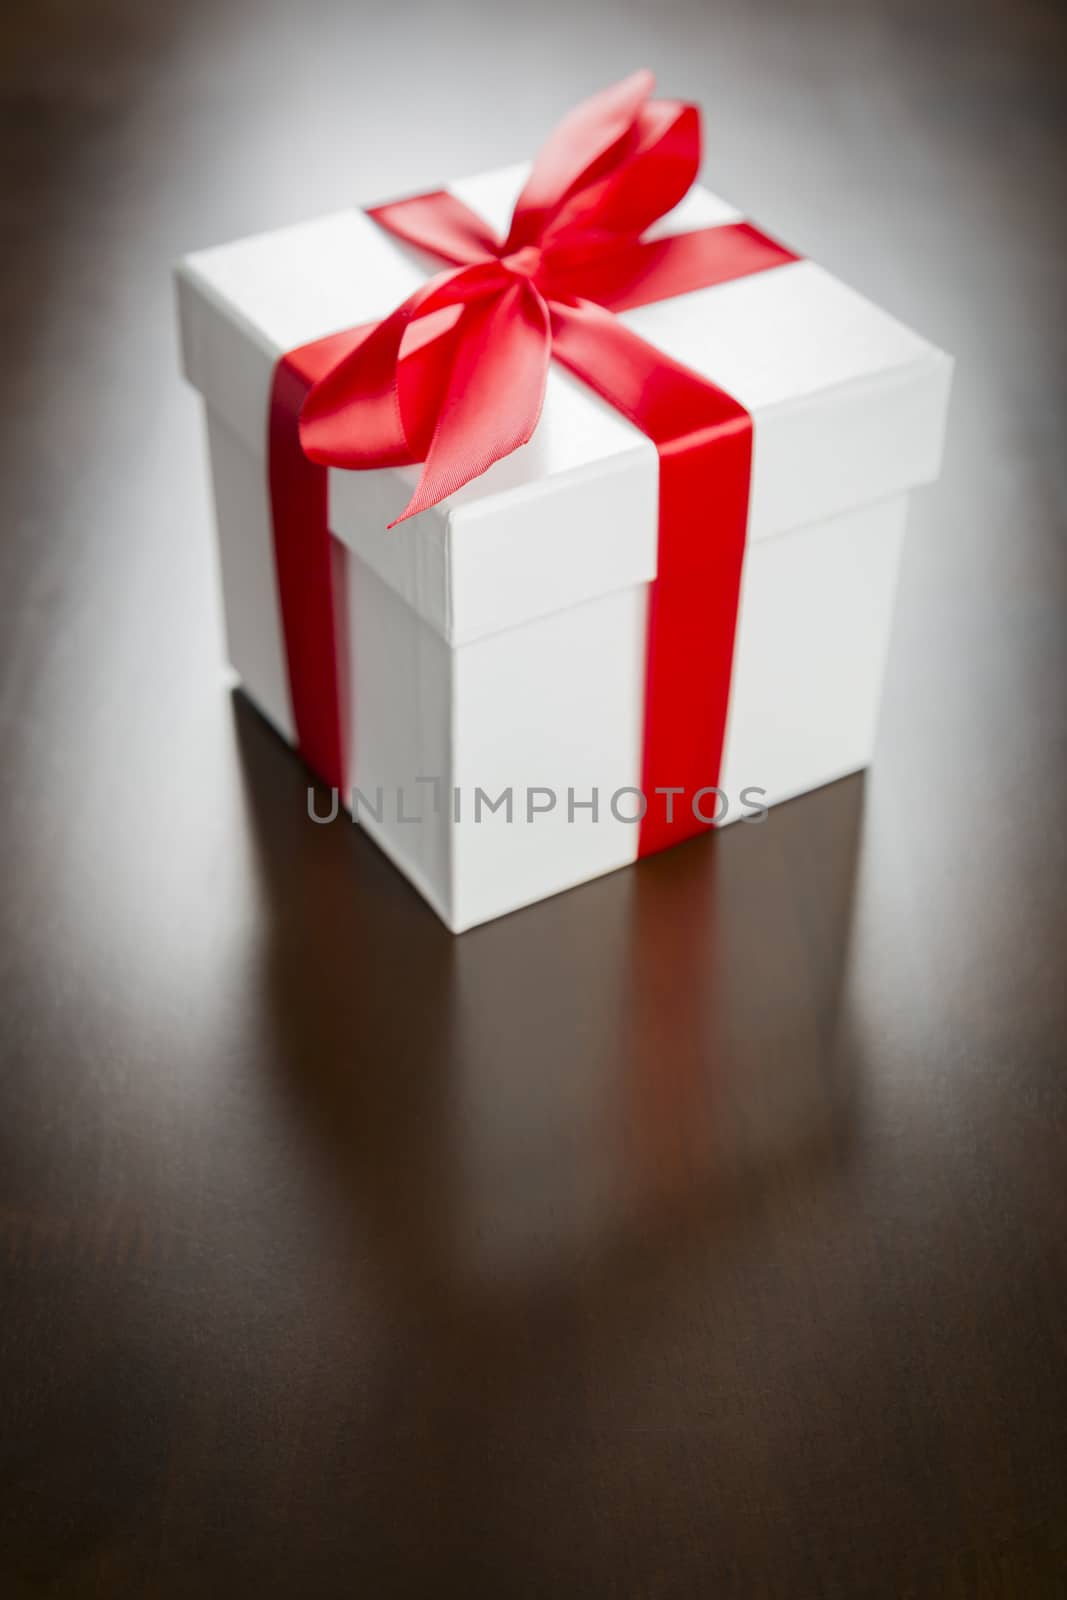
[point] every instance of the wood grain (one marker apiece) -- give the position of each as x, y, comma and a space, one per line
698, 1233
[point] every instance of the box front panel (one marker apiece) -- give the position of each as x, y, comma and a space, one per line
400, 736
548, 716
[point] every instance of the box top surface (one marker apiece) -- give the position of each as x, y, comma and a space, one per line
848, 404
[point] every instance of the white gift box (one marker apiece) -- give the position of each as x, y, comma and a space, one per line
497, 641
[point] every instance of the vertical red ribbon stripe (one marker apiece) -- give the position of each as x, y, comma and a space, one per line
309, 565
703, 438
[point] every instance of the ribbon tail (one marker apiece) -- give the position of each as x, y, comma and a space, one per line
493, 393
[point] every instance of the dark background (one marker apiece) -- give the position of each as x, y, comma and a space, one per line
698, 1233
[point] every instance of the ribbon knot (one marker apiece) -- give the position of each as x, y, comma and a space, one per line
526, 262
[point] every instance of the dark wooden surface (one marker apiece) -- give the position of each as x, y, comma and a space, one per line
698, 1233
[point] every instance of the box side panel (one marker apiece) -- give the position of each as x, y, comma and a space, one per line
249, 582
812, 639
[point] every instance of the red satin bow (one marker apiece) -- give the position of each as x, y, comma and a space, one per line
455, 377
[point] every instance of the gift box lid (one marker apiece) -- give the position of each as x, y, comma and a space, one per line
849, 407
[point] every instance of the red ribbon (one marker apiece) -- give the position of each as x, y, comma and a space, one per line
455, 378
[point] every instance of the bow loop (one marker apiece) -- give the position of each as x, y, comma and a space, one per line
613, 166
425, 383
